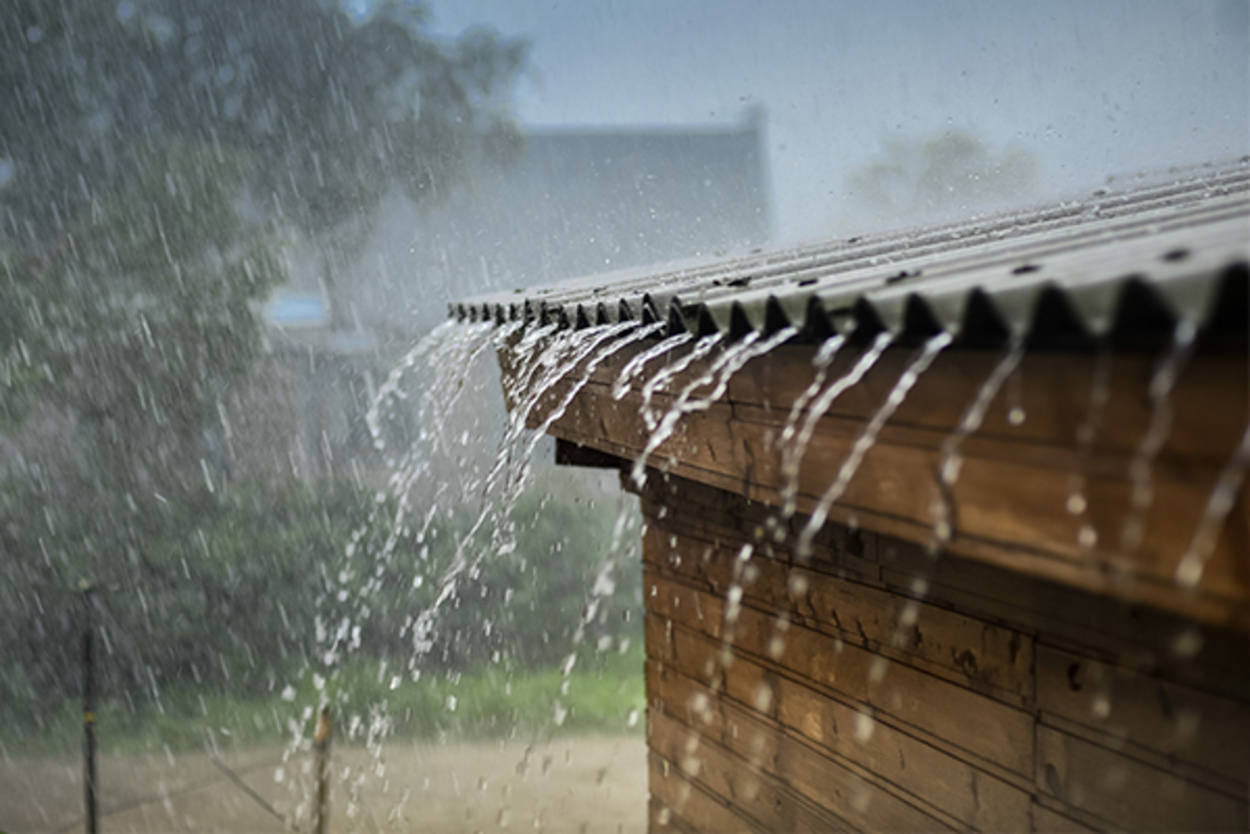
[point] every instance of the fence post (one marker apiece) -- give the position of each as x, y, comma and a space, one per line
89, 783
321, 746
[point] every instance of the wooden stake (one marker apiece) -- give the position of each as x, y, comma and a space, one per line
89, 782
321, 746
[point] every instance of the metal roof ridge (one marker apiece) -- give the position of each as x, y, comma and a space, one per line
1173, 246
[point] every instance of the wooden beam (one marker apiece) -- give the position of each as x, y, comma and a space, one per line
1010, 502
569, 453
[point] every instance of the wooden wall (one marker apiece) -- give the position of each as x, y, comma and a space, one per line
1011, 500
875, 688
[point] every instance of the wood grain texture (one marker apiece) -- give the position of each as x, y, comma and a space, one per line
1127, 792
1010, 500
804, 686
1001, 733
679, 804
993, 660
1023, 679
1124, 709
937, 783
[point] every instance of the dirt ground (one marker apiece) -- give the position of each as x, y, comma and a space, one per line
593, 784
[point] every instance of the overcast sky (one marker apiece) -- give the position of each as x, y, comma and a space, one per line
1091, 88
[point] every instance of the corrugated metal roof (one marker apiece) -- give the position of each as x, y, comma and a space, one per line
1127, 265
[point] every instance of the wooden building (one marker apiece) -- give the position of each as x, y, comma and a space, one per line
1029, 607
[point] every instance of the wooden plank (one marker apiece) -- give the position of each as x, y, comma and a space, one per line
1130, 709
841, 797
991, 659
684, 507
1001, 734
1139, 638
748, 789
1143, 639
861, 801
921, 773
1127, 792
1029, 530
970, 795
1052, 389
686, 650
660, 818
1050, 821
694, 808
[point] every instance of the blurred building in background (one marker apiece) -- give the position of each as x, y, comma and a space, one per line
571, 202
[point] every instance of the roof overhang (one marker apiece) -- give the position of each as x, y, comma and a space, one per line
1127, 266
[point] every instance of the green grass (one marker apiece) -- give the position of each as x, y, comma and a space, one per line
488, 705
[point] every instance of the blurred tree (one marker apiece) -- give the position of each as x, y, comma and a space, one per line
153, 154
331, 108
149, 147
142, 318
941, 175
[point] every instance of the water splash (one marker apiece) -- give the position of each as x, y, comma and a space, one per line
821, 362
345, 608
1162, 382
458, 349
557, 359
1100, 391
717, 377
906, 381
950, 461
1219, 505
392, 391
640, 360
733, 610
701, 349
792, 454
633, 333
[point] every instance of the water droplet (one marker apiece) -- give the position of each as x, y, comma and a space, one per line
450, 703
1189, 571
1187, 643
1187, 724
1076, 503
866, 439
631, 717
798, 584
1016, 416
699, 703
864, 727
288, 693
